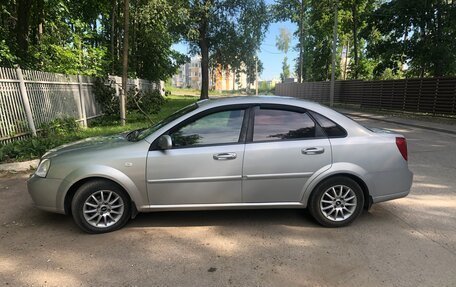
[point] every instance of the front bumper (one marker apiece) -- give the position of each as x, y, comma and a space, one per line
44, 193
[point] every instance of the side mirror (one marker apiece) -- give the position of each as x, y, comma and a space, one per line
165, 142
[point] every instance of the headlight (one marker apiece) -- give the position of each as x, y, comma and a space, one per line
43, 168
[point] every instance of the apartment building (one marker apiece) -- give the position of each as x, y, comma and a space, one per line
189, 76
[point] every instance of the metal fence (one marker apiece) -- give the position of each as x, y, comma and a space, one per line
30, 98
436, 96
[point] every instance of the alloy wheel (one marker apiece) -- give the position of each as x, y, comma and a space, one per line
338, 203
103, 208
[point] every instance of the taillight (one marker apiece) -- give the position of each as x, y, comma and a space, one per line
402, 146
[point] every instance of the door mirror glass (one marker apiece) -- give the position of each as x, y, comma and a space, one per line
165, 142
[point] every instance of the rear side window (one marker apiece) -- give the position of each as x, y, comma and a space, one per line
274, 124
331, 129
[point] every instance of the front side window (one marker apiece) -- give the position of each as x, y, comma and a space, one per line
217, 128
273, 124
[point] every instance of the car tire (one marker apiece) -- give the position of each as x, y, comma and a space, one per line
100, 206
336, 202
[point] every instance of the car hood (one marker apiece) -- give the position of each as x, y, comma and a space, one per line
89, 144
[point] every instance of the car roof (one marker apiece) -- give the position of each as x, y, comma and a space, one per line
348, 124
261, 99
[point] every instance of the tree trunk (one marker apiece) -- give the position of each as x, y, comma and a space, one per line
204, 46
234, 80
438, 65
134, 42
423, 42
355, 39
113, 36
22, 27
301, 43
346, 59
204, 69
124, 64
40, 16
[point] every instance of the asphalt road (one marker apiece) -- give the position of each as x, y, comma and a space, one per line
406, 242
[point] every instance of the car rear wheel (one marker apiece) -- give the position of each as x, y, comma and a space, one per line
100, 206
336, 202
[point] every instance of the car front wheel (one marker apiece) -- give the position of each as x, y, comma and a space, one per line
336, 202
100, 206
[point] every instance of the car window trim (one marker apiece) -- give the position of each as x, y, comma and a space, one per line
242, 134
310, 113
319, 133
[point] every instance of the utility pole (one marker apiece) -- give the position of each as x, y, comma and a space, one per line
256, 75
333, 66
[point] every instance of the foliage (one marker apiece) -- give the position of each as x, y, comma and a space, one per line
155, 28
378, 37
105, 95
51, 135
85, 37
150, 102
229, 32
283, 43
60, 127
420, 33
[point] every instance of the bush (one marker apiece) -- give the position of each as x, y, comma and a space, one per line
51, 135
60, 127
106, 97
150, 101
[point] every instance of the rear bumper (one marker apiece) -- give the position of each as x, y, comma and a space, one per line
392, 185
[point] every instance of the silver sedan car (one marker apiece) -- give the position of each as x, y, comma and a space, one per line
231, 153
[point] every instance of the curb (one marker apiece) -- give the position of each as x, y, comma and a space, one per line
19, 166
402, 123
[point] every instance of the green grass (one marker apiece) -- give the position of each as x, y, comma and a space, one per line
196, 92
32, 148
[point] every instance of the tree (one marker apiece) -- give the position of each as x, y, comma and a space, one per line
295, 11
422, 36
86, 37
282, 44
229, 31
124, 91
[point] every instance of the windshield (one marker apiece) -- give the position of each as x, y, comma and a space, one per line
143, 133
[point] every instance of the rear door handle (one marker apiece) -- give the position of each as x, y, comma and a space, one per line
224, 156
313, 150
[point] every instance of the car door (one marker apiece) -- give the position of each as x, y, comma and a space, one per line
204, 165
284, 149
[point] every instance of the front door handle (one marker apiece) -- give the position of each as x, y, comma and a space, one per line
225, 156
313, 150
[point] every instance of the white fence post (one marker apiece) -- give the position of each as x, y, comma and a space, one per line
25, 100
82, 102
161, 88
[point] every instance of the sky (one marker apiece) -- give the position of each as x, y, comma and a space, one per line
269, 55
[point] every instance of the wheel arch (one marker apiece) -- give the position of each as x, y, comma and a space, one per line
77, 178
362, 181
75, 186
